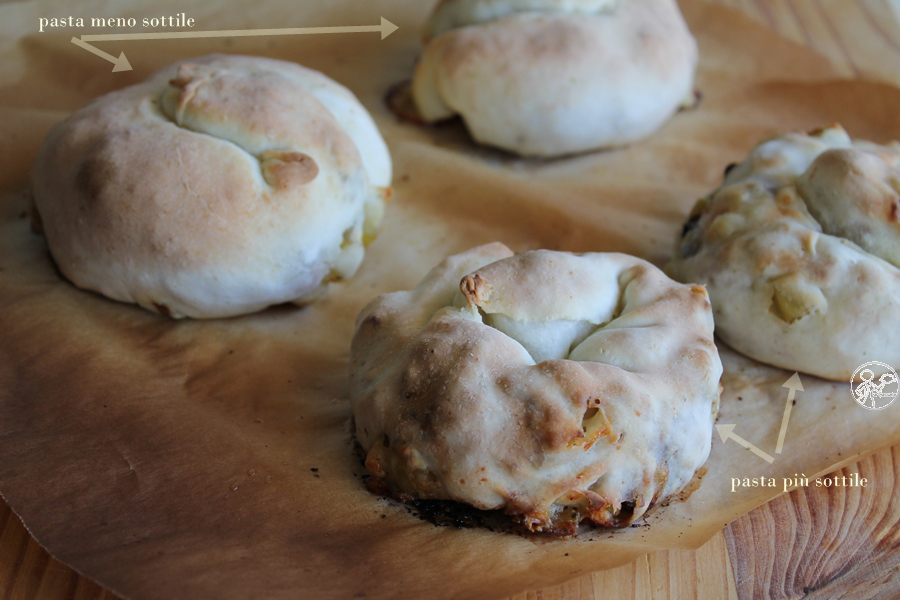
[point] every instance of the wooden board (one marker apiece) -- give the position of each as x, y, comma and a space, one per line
817, 543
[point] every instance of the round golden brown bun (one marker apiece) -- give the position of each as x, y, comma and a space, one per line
554, 77
219, 186
800, 249
554, 386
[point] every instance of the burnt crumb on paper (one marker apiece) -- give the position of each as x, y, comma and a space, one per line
450, 514
692, 486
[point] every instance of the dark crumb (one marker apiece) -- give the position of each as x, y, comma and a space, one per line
400, 101
315, 469
316, 475
730, 168
739, 398
384, 516
231, 352
793, 403
447, 514
566, 554
162, 309
690, 225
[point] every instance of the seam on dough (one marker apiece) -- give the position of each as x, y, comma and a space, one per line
156, 110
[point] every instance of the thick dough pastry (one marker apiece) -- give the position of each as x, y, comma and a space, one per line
554, 77
555, 386
220, 186
800, 249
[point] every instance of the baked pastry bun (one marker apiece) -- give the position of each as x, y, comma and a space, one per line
219, 186
554, 386
554, 77
800, 249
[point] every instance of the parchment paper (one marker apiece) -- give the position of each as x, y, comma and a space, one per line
215, 459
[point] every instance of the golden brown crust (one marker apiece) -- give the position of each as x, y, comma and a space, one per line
800, 249
452, 399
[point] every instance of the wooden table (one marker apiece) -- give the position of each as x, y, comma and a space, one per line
809, 543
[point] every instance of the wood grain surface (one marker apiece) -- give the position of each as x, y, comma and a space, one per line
812, 542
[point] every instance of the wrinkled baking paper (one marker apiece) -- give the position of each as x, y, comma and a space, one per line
215, 459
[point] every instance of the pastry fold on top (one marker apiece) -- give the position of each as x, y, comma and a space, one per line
554, 77
554, 386
219, 186
800, 249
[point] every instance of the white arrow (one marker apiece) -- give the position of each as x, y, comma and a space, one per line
119, 64
726, 432
793, 384
386, 28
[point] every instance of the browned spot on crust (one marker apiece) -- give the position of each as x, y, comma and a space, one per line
818, 131
379, 486
895, 207
188, 82
602, 512
285, 170
475, 289
594, 425
186, 73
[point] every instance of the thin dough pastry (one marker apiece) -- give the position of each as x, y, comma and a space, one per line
554, 386
800, 249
